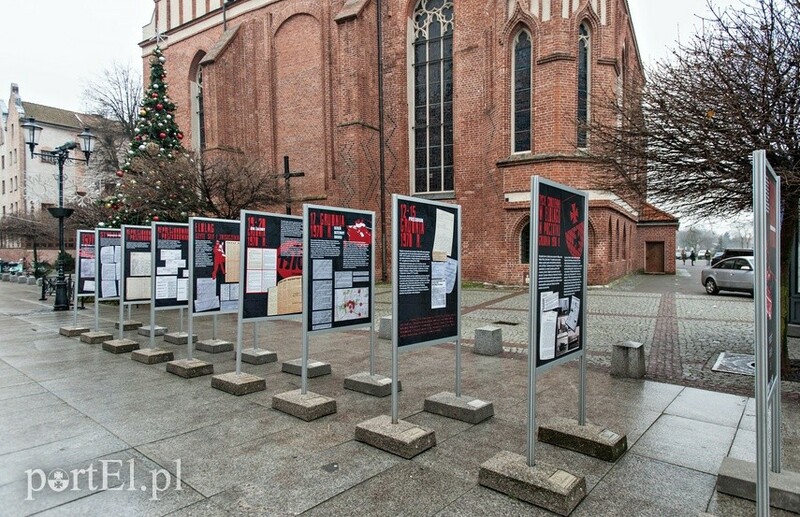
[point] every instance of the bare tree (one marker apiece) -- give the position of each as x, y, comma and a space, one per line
114, 96
36, 230
176, 188
230, 182
731, 89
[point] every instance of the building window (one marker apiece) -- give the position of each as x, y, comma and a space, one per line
15, 156
201, 115
525, 244
584, 82
4, 186
432, 127
2, 162
522, 93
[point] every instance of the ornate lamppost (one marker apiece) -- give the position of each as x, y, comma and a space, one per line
60, 155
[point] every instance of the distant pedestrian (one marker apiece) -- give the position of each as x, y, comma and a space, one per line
708, 257
683, 255
692, 256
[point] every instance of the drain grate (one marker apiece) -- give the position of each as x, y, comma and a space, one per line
742, 364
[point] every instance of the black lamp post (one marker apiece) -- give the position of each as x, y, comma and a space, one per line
61, 155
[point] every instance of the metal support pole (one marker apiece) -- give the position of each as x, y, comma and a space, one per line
255, 335
62, 301
214, 327
304, 361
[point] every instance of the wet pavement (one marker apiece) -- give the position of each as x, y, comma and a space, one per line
67, 407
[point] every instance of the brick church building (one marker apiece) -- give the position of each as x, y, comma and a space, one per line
478, 97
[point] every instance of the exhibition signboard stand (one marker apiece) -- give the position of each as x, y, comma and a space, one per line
134, 285
338, 294
213, 288
107, 253
270, 277
169, 287
271, 274
426, 310
84, 278
773, 485
557, 322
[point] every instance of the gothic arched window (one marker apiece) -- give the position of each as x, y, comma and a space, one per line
584, 82
521, 115
432, 107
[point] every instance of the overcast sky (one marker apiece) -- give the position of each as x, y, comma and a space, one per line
52, 48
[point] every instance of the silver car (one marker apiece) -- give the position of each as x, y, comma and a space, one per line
731, 274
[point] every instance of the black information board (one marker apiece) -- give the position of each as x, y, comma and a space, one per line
84, 269
215, 254
170, 264
136, 248
558, 234
107, 252
338, 244
272, 265
427, 264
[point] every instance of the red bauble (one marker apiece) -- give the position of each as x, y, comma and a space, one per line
120, 174
159, 107
154, 96
162, 136
179, 136
156, 218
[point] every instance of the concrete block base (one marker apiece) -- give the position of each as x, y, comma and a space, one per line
95, 337
238, 385
190, 368
120, 346
144, 330
258, 356
179, 338
627, 360
589, 439
315, 368
152, 355
738, 478
214, 346
403, 439
375, 385
128, 325
385, 328
466, 409
73, 331
305, 407
488, 340
542, 485
31, 280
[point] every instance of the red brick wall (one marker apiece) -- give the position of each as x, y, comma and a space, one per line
295, 81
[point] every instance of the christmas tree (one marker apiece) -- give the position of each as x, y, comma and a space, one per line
157, 180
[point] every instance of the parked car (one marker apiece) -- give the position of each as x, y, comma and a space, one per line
730, 274
11, 267
731, 252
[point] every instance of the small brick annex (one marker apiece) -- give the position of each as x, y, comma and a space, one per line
299, 78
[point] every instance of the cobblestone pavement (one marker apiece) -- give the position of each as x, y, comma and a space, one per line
683, 329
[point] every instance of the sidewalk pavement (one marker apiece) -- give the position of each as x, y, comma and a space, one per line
68, 405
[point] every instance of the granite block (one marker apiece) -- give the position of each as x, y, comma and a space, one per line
315, 368
128, 325
258, 356
120, 346
152, 355
375, 385
73, 331
466, 409
590, 439
94, 338
305, 407
214, 346
144, 330
403, 439
738, 478
179, 338
241, 384
190, 368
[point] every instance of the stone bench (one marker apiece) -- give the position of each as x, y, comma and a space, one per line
627, 360
488, 340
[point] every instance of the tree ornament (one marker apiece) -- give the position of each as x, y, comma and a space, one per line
179, 136
159, 107
154, 96
142, 113
162, 59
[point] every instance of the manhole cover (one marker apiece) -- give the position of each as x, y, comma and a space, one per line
742, 364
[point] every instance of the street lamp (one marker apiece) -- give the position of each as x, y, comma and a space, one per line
61, 156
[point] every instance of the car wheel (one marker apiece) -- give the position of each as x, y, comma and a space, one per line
711, 286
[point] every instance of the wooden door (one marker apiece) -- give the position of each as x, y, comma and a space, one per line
654, 257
